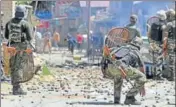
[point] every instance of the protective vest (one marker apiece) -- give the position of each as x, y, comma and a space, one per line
15, 31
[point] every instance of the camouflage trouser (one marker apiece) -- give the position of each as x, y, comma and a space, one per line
132, 74
169, 68
20, 64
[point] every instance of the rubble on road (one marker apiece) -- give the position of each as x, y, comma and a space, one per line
78, 87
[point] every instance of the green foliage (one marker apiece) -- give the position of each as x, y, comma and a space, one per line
45, 70
24, 2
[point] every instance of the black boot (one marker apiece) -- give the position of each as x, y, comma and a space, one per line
17, 90
116, 100
171, 79
131, 100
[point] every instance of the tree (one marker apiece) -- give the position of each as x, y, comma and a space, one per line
24, 2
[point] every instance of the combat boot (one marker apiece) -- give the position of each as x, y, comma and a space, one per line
17, 90
116, 100
171, 79
131, 100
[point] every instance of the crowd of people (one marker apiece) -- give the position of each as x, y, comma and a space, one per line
74, 41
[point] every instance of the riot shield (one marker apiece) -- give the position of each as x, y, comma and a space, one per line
151, 20
21, 62
28, 69
117, 37
154, 47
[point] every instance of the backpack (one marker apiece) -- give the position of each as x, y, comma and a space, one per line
156, 32
15, 31
108, 69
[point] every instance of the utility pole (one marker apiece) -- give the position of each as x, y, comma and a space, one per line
0, 49
88, 24
35, 8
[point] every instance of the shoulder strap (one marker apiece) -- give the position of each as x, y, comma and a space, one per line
138, 55
122, 47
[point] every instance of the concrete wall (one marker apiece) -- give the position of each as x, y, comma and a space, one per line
8, 8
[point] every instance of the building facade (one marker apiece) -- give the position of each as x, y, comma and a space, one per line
8, 8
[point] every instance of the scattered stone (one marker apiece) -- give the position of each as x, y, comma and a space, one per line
166, 94
32, 102
110, 101
12, 100
122, 104
105, 98
66, 91
142, 99
153, 105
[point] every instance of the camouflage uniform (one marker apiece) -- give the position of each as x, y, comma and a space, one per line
156, 47
134, 32
170, 62
19, 61
130, 62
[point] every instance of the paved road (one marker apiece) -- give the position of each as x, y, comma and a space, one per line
81, 88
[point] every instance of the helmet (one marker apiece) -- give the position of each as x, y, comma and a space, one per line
170, 14
20, 12
161, 14
133, 18
137, 42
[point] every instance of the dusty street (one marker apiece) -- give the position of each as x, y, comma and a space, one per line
81, 87
80, 38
